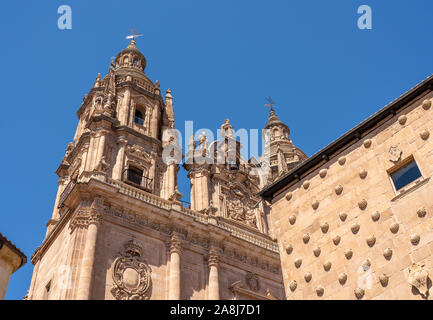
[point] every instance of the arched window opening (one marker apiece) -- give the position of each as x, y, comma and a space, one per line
139, 117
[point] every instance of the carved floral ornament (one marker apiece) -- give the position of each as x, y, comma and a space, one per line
138, 152
418, 278
131, 274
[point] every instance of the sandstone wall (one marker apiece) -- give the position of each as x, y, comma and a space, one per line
305, 209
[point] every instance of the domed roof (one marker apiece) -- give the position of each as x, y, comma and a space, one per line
131, 57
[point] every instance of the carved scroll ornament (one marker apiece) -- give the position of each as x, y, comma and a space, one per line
131, 274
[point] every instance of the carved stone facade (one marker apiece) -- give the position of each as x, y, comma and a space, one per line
368, 238
118, 229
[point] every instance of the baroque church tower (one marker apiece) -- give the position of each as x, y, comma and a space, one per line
119, 230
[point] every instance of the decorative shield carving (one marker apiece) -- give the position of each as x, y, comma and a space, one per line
418, 278
395, 154
131, 274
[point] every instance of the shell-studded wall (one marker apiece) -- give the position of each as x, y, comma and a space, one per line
346, 232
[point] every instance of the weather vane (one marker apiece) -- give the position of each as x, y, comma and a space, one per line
271, 103
134, 34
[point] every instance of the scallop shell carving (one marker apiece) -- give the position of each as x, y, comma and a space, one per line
342, 278
383, 278
342, 161
308, 276
298, 262
414, 239
362, 204
371, 240
336, 240
426, 104
348, 254
375, 216
366, 264
402, 119
367, 143
327, 265
355, 228
306, 238
421, 212
292, 219
315, 204
289, 249
289, 196
293, 285
363, 173
322, 173
338, 189
306, 184
359, 293
320, 290
387, 253
343, 216
317, 251
424, 134
394, 227
324, 227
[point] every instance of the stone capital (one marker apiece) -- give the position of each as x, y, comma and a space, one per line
175, 244
213, 256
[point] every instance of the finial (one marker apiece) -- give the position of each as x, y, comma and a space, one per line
134, 34
168, 93
271, 103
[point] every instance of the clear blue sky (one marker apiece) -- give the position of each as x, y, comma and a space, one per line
220, 58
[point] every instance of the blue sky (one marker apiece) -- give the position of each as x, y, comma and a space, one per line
220, 58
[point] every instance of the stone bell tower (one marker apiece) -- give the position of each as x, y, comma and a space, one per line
121, 125
118, 229
282, 154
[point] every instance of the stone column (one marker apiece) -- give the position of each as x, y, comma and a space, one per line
154, 122
101, 146
174, 277
214, 291
204, 189
88, 260
62, 184
91, 152
120, 159
123, 117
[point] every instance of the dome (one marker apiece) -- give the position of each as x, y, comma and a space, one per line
131, 57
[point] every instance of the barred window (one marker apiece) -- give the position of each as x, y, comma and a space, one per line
135, 175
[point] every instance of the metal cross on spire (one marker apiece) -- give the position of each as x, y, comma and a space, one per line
134, 34
271, 103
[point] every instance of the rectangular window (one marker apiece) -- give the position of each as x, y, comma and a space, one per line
135, 175
405, 174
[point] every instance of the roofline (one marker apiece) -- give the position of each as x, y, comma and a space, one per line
10, 245
350, 137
